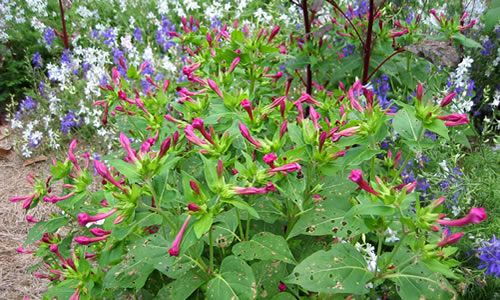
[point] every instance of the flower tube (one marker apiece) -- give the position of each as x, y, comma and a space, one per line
175, 248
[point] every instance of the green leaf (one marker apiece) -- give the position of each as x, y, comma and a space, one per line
326, 219
492, 17
268, 275
129, 170
243, 206
437, 126
235, 281
342, 269
415, 280
407, 125
264, 246
372, 209
465, 41
183, 287
202, 225
37, 231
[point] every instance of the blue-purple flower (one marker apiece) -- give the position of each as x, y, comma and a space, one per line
70, 121
49, 36
36, 61
28, 104
489, 255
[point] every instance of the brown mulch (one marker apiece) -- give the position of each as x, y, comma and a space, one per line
16, 281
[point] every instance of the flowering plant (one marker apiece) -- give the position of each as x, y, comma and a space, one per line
241, 181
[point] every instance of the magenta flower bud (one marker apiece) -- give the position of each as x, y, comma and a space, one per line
102, 170
447, 99
165, 145
248, 107
395, 34
85, 240
84, 218
282, 287
169, 118
307, 99
450, 239
234, 63
115, 75
352, 98
193, 207
76, 295
255, 191
22, 250
277, 101
220, 168
475, 216
454, 119
194, 186
124, 140
53, 248
274, 32
269, 159
175, 248
288, 168
99, 231
470, 25
357, 177
283, 128
420, 91
192, 137
199, 125
104, 203
214, 87
246, 134
27, 200
175, 138
55, 199
209, 38
31, 219
71, 155
322, 139
314, 116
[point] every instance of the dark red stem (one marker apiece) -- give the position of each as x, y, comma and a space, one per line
337, 7
368, 43
307, 26
384, 61
65, 31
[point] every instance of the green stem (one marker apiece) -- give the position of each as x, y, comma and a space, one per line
240, 227
247, 235
379, 250
211, 250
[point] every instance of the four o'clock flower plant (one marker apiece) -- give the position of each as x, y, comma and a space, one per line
248, 162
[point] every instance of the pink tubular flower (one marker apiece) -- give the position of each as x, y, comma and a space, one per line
175, 248
84, 218
357, 87
476, 215
288, 168
85, 240
234, 63
194, 186
450, 239
22, 250
344, 133
305, 97
447, 99
192, 137
55, 199
99, 231
465, 27
200, 126
76, 295
115, 75
165, 145
193, 207
246, 134
454, 119
283, 128
269, 159
314, 116
124, 140
395, 34
215, 87
220, 168
71, 155
255, 191
31, 219
102, 170
357, 177
248, 107
27, 200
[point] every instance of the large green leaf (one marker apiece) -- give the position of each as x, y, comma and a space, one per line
326, 219
183, 287
127, 169
235, 281
342, 269
50, 226
415, 280
264, 246
268, 275
465, 41
407, 125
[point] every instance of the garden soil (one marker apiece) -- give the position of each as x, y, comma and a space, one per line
16, 281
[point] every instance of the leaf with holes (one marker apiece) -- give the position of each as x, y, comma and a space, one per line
407, 125
268, 275
264, 246
235, 281
414, 280
183, 287
326, 219
342, 269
